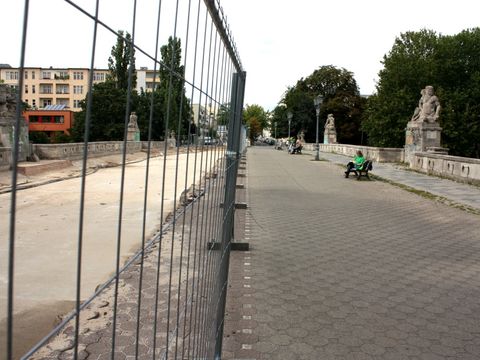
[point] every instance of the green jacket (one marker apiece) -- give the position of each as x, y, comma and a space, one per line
358, 161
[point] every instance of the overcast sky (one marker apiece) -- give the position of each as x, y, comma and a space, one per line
279, 41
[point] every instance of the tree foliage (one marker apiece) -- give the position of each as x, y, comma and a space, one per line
255, 117
341, 98
107, 114
451, 64
122, 57
109, 100
171, 91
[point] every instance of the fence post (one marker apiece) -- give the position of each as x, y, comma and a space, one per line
233, 156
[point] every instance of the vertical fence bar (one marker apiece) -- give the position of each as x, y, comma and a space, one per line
233, 155
13, 199
83, 184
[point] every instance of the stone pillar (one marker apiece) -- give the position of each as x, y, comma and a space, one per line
421, 137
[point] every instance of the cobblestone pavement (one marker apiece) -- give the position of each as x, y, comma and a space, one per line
346, 269
459, 193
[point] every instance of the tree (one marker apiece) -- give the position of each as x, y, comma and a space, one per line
255, 129
171, 90
451, 64
341, 98
107, 114
256, 118
109, 98
223, 114
407, 69
123, 56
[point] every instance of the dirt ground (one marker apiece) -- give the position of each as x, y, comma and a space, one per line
47, 227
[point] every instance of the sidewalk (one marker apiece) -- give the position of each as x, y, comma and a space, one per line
346, 269
455, 192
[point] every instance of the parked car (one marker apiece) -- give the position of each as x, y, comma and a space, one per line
207, 140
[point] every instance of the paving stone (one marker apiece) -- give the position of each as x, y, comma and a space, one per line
405, 287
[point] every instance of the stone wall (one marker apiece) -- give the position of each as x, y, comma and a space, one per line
74, 151
372, 153
453, 167
5, 158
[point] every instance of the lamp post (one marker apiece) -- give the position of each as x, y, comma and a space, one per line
289, 116
318, 103
275, 123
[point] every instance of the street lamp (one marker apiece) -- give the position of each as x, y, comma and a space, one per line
275, 123
289, 116
318, 103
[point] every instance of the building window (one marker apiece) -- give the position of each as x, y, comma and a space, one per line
33, 74
62, 89
34, 103
62, 75
26, 75
58, 119
78, 89
62, 102
76, 103
46, 89
33, 118
12, 75
33, 89
77, 75
46, 74
26, 88
98, 76
46, 102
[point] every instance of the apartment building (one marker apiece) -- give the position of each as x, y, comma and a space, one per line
52, 86
145, 79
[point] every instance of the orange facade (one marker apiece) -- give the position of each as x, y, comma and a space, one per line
49, 121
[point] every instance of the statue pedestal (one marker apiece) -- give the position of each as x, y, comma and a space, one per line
422, 136
7, 136
133, 135
330, 136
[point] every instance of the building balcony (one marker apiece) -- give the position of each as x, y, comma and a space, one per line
65, 77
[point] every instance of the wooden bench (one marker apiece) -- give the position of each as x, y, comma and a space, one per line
363, 170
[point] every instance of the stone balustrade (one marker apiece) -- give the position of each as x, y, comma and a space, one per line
74, 151
452, 167
376, 154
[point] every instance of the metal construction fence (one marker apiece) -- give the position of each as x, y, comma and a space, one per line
139, 253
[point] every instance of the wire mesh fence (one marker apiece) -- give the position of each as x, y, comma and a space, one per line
135, 255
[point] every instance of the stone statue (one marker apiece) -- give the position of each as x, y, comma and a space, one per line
133, 131
428, 109
8, 101
132, 124
330, 123
301, 136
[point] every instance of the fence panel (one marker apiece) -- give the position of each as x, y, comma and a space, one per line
134, 257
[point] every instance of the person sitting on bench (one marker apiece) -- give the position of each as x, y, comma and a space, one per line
297, 148
357, 163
